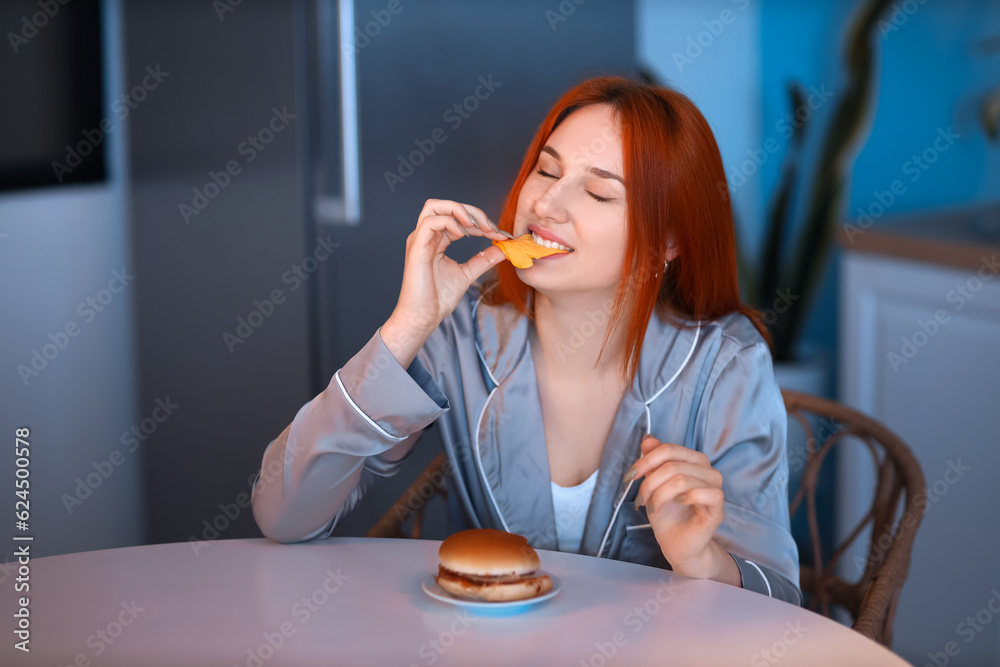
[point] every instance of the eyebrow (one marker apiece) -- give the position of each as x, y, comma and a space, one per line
597, 171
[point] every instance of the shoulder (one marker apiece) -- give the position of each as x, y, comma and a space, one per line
722, 339
729, 346
744, 365
737, 334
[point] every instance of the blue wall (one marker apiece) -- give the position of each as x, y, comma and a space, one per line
930, 78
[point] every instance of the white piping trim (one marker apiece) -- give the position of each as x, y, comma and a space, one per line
475, 435
371, 422
614, 515
766, 582
649, 426
479, 460
697, 333
479, 350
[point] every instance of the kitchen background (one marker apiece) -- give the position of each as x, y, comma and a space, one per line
142, 341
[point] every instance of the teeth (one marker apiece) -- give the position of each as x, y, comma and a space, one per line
547, 244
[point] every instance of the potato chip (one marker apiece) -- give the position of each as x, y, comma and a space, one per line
522, 250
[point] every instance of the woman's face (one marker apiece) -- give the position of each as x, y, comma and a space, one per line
575, 196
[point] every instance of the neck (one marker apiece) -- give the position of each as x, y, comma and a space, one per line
569, 331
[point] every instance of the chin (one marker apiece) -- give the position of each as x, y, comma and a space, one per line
545, 282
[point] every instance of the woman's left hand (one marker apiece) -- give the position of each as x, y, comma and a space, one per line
683, 496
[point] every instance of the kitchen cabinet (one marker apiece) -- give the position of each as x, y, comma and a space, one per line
920, 352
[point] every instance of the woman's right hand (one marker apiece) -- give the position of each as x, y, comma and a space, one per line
433, 283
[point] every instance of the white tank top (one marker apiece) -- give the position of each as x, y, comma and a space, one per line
570, 504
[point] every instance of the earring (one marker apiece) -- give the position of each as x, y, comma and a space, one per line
665, 265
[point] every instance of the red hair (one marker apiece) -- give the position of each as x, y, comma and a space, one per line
672, 167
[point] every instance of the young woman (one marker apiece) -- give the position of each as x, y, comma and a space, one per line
616, 400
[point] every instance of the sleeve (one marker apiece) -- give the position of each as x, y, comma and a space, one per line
745, 432
358, 429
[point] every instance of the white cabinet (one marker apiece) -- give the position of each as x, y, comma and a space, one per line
920, 352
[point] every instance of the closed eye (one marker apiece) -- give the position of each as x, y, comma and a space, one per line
546, 174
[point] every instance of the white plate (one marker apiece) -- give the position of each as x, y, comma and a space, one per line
432, 589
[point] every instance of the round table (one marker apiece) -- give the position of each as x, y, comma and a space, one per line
358, 601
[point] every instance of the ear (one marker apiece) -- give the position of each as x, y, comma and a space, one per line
672, 251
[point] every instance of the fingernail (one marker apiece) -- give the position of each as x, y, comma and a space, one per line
475, 222
465, 231
494, 227
682, 498
629, 476
638, 503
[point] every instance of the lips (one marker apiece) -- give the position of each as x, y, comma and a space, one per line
547, 239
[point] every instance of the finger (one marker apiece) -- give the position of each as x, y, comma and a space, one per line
648, 444
662, 453
712, 500
483, 222
668, 492
441, 224
482, 261
461, 213
672, 469
683, 490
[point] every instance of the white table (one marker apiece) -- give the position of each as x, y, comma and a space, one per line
163, 605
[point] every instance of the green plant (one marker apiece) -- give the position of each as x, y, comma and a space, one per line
989, 107
801, 273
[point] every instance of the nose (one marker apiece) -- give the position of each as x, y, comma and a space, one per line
550, 206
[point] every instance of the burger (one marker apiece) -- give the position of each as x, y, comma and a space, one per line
491, 565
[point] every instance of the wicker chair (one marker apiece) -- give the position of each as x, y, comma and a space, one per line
872, 599
413, 502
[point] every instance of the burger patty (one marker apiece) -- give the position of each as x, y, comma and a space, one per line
485, 580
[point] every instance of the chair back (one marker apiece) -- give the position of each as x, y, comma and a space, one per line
872, 599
